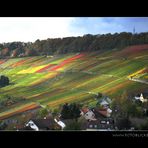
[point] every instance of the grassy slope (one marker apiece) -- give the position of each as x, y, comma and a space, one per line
70, 77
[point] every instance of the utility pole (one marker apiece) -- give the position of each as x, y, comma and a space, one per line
134, 30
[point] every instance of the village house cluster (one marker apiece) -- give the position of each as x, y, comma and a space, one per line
98, 118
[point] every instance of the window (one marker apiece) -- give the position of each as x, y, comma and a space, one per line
95, 126
90, 126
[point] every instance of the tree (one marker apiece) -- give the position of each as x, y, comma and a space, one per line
125, 107
3, 125
87, 43
30, 52
83, 122
144, 126
4, 81
43, 112
123, 123
132, 110
121, 104
5, 52
65, 113
70, 111
55, 112
98, 96
75, 111
73, 125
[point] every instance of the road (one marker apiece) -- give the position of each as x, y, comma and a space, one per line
138, 80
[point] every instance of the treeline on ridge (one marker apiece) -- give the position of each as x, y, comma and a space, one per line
84, 43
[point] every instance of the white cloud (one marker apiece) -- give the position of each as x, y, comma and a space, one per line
33, 28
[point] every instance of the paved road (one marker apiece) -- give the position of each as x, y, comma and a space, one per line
138, 80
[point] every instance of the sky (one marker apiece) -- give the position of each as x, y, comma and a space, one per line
29, 29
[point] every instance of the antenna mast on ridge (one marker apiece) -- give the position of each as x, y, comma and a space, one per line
134, 30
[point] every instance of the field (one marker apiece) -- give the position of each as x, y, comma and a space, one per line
57, 79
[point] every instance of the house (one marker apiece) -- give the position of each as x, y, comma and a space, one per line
93, 125
41, 124
33, 125
105, 101
108, 99
21, 55
105, 112
100, 125
60, 123
84, 110
88, 114
143, 97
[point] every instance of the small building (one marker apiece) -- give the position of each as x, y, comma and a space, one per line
105, 101
93, 125
41, 124
143, 97
84, 110
32, 124
88, 114
100, 125
105, 112
60, 123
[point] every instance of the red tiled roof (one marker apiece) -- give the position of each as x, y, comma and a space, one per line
85, 110
103, 112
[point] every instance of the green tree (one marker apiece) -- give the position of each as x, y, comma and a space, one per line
75, 111
123, 104
43, 112
144, 126
70, 111
73, 125
65, 113
4, 81
55, 112
123, 123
